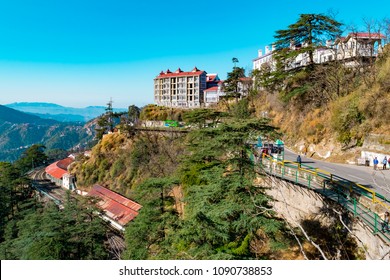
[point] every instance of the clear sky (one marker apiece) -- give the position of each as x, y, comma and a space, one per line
83, 52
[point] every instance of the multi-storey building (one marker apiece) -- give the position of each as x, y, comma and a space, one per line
356, 47
180, 89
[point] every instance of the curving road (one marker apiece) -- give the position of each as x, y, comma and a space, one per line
377, 180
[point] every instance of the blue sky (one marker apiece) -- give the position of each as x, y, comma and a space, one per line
80, 53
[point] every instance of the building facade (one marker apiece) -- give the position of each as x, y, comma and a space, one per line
355, 48
180, 89
214, 93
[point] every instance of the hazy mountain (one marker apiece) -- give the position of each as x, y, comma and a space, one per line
20, 130
61, 113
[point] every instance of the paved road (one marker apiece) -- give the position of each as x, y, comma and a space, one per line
378, 180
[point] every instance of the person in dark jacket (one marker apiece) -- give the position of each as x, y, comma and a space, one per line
299, 161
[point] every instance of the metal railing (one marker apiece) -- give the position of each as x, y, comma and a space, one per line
362, 202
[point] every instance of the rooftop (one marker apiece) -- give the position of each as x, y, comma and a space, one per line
59, 168
115, 206
179, 72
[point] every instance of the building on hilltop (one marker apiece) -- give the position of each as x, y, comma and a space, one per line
192, 89
180, 89
355, 48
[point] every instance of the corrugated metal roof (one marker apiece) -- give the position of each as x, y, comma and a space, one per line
115, 206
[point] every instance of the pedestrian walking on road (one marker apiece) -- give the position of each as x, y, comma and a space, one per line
299, 160
376, 163
385, 223
384, 163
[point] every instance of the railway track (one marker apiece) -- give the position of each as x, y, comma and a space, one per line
46, 188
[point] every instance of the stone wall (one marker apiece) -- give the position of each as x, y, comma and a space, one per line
297, 203
377, 142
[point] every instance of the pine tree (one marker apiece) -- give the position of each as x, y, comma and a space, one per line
146, 236
32, 157
222, 213
231, 84
305, 36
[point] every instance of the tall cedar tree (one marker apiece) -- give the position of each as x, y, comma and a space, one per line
231, 85
32, 157
14, 190
305, 36
74, 233
301, 38
146, 237
224, 211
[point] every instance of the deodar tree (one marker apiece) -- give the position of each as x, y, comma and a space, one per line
294, 57
225, 213
305, 36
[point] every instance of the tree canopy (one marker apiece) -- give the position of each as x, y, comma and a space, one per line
305, 35
231, 85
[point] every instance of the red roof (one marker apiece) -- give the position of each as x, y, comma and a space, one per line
367, 35
64, 163
211, 78
362, 35
59, 168
115, 206
179, 72
212, 89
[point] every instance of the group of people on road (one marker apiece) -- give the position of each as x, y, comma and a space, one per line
385, 161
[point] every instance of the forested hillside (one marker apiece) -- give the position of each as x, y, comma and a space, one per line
19, 131
198, 191
31, 229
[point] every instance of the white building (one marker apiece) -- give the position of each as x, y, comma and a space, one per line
356, 46
214, 94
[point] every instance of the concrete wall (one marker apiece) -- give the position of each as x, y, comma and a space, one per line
296, 204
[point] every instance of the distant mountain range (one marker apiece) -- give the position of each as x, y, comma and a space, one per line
60, 113
19, 131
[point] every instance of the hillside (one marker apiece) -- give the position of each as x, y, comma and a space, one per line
198, 194
19, 130
333, 110
61, 113
9, 115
